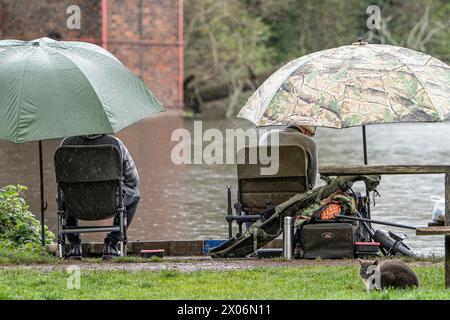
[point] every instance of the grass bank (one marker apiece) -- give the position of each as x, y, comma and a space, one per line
306, 282
39, 275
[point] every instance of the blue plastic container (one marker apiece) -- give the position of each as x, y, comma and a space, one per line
209, 244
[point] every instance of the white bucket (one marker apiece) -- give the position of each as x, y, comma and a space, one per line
438, 214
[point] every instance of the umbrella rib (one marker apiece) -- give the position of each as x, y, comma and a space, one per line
89, 83
416, 77
344, 94
22, 80
292, 70
73, 45
426, 70
426, 92
389, 100
321, 90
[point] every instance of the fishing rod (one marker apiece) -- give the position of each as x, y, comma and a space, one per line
376, 222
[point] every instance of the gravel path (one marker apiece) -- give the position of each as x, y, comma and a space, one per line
191, 264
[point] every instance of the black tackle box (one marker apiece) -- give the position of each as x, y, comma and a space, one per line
328, 240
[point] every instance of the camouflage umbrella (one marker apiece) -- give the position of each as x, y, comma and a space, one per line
353, 85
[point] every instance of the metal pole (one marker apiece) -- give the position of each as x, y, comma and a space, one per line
121, 228
376, 222
364, 145
288, 237
447, 237
43, 203
366, 162
180, 54
104, 24
229, 213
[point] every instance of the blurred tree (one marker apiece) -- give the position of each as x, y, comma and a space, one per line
227, 38
419, 25
301, 27
223, 42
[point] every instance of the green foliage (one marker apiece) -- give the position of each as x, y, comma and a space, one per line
222, 40
229, 42
223, 44
298, 28
18, 226
419, 25
11, 254
301, 27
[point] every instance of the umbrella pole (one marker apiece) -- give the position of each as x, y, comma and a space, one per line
364, 144
364, 136
43, 203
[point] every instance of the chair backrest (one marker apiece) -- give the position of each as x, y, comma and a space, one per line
90, 180
256, 191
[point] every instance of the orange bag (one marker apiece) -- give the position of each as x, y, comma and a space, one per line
330, 211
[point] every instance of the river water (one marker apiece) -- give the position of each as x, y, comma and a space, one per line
189, 201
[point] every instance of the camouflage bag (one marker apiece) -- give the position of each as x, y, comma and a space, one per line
327, 209
262, 232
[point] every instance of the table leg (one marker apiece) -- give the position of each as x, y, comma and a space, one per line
447, 262
447, 238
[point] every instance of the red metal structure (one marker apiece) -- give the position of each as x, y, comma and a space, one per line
104, 25
146, 35
180, 54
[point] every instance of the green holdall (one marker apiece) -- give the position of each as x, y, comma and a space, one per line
270, 227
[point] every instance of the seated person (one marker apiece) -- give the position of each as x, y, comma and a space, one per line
130, 192
297, 135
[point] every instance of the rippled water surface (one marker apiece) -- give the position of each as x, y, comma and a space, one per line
189, 201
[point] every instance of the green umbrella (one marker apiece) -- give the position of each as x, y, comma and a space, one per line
51, 89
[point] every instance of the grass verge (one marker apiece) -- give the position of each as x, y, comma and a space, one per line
17, 256
306, 282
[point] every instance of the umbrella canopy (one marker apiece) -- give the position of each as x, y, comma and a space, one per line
353, 85
51, 89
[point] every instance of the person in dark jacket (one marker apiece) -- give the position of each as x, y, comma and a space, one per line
297, 135
130, 191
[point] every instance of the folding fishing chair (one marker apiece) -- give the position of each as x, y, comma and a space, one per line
257, 192
89, 189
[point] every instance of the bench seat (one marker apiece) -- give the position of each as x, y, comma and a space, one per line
432, 231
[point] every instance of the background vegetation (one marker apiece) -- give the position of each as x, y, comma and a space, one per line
20, 231
229, 41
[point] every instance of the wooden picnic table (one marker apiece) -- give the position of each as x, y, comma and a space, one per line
406, 169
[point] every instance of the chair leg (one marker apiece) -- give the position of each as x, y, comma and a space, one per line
121, 248
125, 240
60, 250
63, 236
60, 235
121, 222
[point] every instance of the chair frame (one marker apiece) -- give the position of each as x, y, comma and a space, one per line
62, 215
243, 215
